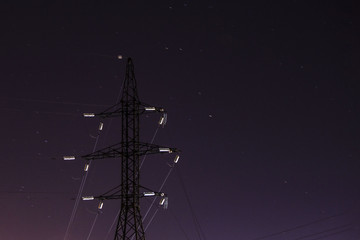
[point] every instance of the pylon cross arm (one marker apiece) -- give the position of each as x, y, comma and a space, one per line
108, 152
117, 110
116, 150
148, 148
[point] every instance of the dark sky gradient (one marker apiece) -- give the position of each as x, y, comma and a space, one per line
262, 99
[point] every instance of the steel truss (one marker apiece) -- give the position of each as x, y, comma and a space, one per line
129, 224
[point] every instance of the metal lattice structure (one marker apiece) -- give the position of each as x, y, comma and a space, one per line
129, 150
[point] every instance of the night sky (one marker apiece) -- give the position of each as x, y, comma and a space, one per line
262, 99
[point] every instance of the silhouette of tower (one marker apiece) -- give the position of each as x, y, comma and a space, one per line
129, 150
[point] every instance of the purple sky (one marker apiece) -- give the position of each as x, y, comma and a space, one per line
262, 99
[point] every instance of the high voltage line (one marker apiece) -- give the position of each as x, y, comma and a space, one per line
53, 102
78, 197
299, 226
344, 228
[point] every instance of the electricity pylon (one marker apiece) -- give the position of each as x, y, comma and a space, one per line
129, 224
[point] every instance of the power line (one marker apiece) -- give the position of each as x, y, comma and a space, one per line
332, 234
107, 132
152, 204
178, 223
299, 226
197, 225
93, 224
55, 102
82, 185
151, 219
160, 189
112, 225
40, 112
152, 141
325, 231
27, 192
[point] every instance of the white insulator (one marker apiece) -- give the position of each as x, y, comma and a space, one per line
164, 202
150, 108
101, 126
89, 114
148, 194
69, 158
163, 119
87, 198
176, 159
168, 150
86, 168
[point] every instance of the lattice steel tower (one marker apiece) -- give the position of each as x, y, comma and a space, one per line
129, 224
